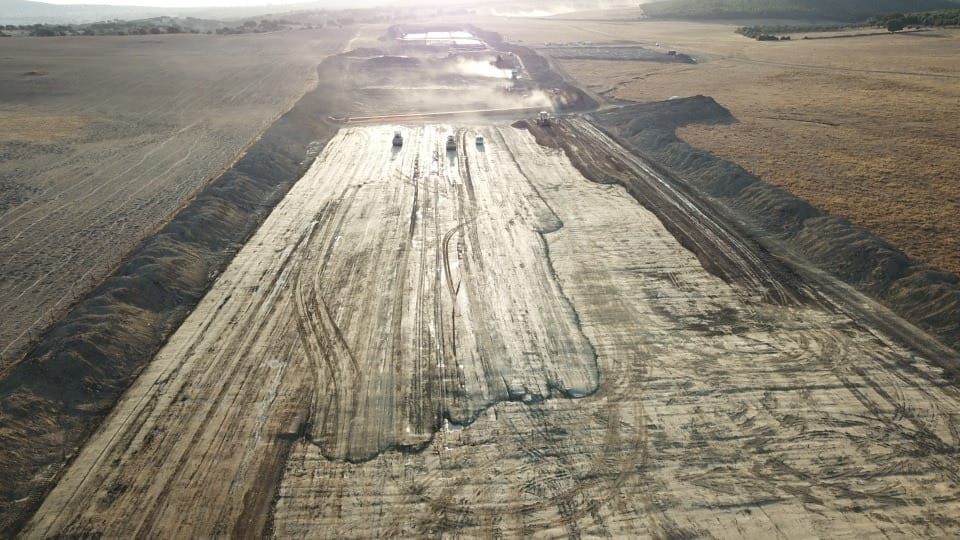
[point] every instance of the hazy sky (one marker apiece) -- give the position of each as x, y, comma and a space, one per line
177, 3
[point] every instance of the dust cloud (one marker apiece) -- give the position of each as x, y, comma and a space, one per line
478, 68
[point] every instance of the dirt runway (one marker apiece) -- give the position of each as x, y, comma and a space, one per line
485, 343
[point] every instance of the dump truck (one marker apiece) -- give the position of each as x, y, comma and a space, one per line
543, 118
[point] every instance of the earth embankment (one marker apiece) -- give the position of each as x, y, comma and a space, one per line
925, 296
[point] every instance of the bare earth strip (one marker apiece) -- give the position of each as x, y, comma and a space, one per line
105, 138
488, 344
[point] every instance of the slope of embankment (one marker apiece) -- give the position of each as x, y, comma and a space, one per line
924, 296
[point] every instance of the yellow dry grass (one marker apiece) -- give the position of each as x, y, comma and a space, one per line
862, 127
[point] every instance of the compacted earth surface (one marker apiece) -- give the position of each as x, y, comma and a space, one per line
492, 328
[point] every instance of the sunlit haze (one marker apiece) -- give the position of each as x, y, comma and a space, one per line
173, 3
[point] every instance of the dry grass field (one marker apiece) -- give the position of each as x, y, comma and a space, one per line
863, 127
104, 138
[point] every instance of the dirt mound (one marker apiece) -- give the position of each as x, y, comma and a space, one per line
924, 296
58, 394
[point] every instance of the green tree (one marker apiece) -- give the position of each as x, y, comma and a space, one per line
895, 25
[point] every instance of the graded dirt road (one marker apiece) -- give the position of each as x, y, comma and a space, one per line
105, 138
485, 343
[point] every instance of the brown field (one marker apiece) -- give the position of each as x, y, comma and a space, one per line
862, 127
104, 139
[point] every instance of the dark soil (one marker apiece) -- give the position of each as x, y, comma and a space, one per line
924, 296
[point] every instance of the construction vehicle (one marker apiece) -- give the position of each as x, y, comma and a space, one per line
451, 143
479, 139
543, 118
397, 139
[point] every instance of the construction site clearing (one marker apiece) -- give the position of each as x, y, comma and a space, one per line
542, 333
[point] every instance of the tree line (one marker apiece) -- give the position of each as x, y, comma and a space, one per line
938, 17
893, 22
771, 32
850, 11
147, 27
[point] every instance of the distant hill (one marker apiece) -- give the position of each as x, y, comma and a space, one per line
26, 12
834, 10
